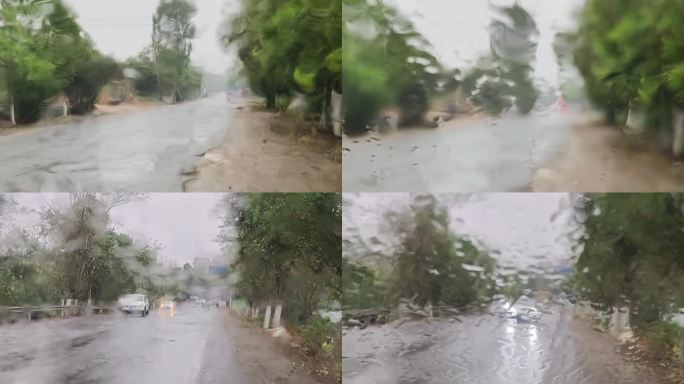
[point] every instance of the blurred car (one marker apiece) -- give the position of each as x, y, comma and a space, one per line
524, 314
134, 303
168, 305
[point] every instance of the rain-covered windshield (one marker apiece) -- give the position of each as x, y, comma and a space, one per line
503, 95
513, 288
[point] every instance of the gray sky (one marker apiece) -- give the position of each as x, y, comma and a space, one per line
122, 28
185, 224
458, 29
528, 229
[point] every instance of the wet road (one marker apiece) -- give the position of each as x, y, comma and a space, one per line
190, 347
139, 151
472, 156
486, 350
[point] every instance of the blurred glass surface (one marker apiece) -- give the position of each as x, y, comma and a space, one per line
503, 95
501, 288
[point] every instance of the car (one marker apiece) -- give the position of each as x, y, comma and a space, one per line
523, 314
135, 303
167, 305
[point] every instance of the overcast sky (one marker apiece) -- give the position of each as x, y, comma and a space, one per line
527, 229
185, 224
458, 29
122, 28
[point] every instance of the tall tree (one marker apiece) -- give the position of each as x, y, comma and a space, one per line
289, 247
288, 48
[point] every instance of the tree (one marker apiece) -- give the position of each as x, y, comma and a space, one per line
632, 254
433, 265
288, 48
289, 247
630, 57
393, 66
43, 51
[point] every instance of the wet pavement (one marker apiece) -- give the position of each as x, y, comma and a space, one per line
190, 346
487, 350
139, 151
470, 156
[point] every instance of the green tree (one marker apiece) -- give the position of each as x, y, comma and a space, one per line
630, 56
290, 47
632, 254
289, 247
433, 265
391, 66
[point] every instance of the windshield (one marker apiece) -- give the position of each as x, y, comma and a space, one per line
134, 298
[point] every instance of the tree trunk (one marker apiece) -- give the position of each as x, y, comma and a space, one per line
336, 113
13, 119
270, 100
678, 131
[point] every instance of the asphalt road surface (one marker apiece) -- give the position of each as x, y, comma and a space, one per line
483, 155
487, 350
190, 346
139, 151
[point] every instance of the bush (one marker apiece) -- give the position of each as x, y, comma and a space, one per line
664, 337
319, 334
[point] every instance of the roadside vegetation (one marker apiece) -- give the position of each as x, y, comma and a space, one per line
291, 54
287, 251
632, 258
432, 271
389, 65
49, 65
73, 252
630, 56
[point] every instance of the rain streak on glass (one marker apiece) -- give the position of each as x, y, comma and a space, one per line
513, 288
504, 95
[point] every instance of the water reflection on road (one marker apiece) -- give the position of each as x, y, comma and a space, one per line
138, 151
482, 155
486, 350
187, 346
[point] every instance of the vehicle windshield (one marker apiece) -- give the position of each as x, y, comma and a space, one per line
134, 298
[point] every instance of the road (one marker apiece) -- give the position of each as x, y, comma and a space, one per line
476, 155
192, 346
487, 350
139, 151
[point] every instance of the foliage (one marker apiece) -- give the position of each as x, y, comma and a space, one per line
504, 77
632, 254
289, 247
391, 66
360, 287
163, 69
319, 333
76, 254
664, 337
430, 265
289, 47
43, 51
630, 54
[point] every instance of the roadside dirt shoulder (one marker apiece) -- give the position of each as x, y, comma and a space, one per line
601, 159
264, 359
253, 158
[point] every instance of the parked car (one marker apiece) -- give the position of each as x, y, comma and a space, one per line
135, 303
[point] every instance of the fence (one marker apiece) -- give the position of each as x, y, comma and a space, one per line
68, 308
